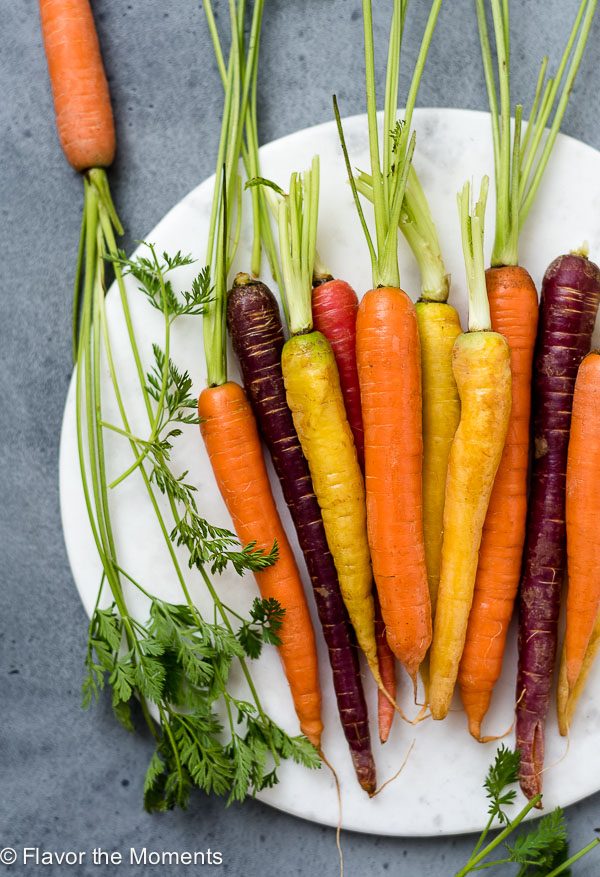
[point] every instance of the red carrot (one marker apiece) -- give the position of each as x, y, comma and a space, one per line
335, 307
568, 307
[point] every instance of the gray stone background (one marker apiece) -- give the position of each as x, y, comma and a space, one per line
69, 779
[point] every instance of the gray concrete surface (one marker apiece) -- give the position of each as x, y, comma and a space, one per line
69, 779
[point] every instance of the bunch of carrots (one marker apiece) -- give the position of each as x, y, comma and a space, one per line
435, 477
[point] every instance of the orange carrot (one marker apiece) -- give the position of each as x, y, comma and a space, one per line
231, 438
582, 516
388, 356
514, 308
81, 98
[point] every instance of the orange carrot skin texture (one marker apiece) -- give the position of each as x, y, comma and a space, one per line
389, 368
583, 516
234, 449
514, 310
81, 97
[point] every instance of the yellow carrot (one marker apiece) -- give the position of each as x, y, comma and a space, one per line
315, 399
439, 327
481, 364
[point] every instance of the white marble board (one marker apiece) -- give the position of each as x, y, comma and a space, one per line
439, 791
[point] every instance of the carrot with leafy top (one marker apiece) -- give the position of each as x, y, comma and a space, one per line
227, 422
439, 327
84, 120
389, 366
520, 162
314, 397
481, 363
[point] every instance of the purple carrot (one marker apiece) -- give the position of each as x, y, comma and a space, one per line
256, 332
568, 307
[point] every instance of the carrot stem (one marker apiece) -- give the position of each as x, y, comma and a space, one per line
472, 226
297, 218
388, 183
518, 171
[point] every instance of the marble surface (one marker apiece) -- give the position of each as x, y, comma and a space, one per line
70, 779
444, 759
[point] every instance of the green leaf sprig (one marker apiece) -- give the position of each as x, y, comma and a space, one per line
177, 663
540, 852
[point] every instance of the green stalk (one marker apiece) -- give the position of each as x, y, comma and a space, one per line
417, 226
501, 254
415, 82
533, 185
391, 92
77, 286
388, 184
238, 88
574, 858
500, 838
488, 70
472, 227
519, 167
536, 106
379, 202
297, 220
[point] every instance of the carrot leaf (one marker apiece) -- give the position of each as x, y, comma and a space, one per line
540, 852
503, 772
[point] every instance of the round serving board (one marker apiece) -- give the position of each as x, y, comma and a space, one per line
439, 792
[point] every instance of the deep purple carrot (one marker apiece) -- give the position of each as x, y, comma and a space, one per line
568, 308
256, 332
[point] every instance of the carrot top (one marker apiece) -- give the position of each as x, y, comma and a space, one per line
520, 164
390, 165
222, 243
297, 217
418, 227
472, 227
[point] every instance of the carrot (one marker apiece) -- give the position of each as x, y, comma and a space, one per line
334, 308
228, 427
568, 309
234, 449
568, 698
256, 332
481, 362
389, 365
388, 355
81, 98
582, 516
439, 327
514, 307
520, 163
